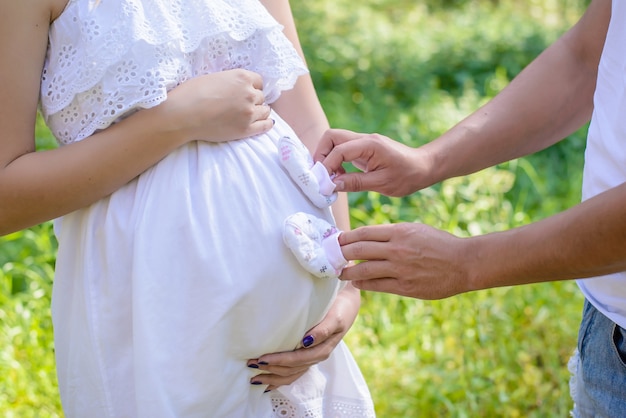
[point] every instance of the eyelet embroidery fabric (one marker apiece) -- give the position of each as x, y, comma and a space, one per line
108, 58
336, 408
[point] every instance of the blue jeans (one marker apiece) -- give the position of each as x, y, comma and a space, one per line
598, 383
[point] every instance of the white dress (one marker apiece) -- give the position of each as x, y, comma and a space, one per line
164, 289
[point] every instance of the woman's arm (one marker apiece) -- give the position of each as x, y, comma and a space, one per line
300, 106
38, 186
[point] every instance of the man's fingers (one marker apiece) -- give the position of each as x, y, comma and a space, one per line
378, 233
386, 285
365, 243
330, 139
335, 148
369, 270
367, 251
339, 146
361, 152
358, 181
350, 152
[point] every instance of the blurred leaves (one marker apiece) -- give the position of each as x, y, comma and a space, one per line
409, 70
27, 372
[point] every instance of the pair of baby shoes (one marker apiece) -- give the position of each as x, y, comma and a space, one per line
312, 240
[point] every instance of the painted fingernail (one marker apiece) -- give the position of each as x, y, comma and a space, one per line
256, 382
308, 340
273, 122
267, 390
253, 366
263, 363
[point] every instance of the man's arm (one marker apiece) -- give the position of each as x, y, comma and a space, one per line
420, 261
550, 98
547, 101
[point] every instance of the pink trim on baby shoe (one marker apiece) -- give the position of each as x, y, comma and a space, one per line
333, 252
327, 187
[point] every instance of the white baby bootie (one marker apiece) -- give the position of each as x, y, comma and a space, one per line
313, 179
315, 244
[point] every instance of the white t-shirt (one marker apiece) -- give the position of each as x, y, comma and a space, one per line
605, 157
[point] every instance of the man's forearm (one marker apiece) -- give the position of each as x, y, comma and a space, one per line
585, 241
549, 100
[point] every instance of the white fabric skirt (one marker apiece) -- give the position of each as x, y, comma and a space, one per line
167, 287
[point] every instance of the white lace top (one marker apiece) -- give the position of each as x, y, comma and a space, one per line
107, 58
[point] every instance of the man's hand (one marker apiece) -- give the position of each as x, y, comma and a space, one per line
407, 259
387, 166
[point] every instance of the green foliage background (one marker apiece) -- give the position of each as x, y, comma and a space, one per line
408, 70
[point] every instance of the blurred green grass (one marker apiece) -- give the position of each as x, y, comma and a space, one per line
408, 70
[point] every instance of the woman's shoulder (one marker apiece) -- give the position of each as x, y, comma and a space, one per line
57, 7
28, 10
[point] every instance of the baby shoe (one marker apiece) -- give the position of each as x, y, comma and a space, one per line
315, 243
313, 179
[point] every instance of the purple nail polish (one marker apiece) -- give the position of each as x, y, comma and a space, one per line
256, 382
253, 366
267, 390
308, 340
263, 363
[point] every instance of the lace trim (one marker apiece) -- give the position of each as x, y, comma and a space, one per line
318, 408
107, 59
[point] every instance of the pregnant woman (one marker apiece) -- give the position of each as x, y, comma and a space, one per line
169, 199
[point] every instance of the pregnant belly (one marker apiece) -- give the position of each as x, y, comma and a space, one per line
192, 250
219, 221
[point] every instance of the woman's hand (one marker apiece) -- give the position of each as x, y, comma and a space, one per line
218, 107
316, 345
